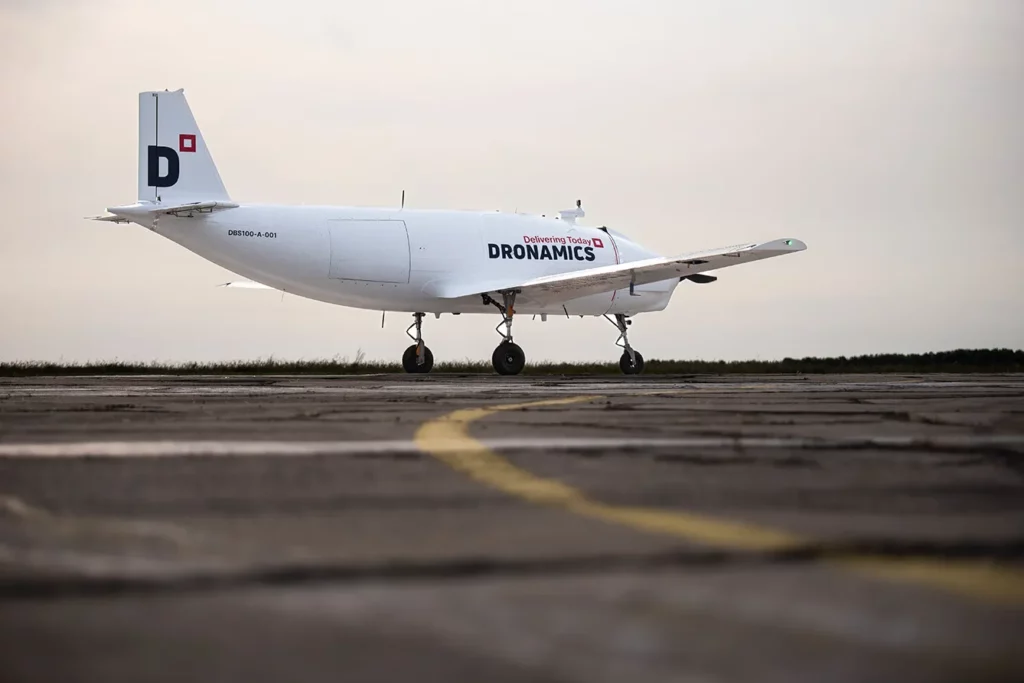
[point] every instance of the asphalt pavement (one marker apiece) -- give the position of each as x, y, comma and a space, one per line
378, 528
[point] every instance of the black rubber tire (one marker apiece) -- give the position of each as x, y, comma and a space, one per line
630, 368
410, 364
508, 359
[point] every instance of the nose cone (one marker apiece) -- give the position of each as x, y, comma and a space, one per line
630, 250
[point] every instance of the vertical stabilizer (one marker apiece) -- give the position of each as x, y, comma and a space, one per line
175, 165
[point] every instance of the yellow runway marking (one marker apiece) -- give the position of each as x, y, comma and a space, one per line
447, 439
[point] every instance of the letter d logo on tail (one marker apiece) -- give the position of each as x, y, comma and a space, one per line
174, 163
155, 153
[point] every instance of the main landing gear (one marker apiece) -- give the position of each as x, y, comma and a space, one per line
417, 358
631, 362
508, 358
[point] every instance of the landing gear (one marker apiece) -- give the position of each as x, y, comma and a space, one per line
631, 362
631, 366
417, 358
508, 358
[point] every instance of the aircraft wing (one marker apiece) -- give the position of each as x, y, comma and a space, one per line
552, 289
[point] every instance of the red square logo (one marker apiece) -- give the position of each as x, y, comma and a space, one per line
598, 243
186, 143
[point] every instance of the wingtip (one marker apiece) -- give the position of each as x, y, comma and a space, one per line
785, 244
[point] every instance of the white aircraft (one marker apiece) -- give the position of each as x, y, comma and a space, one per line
414, 261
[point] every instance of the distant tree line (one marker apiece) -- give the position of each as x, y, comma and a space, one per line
958, 361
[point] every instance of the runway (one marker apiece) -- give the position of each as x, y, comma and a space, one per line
841, 528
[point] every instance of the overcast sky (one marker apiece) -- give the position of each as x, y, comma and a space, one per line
887, 134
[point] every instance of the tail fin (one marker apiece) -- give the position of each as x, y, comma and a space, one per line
175, 166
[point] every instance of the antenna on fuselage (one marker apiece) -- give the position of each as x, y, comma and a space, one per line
403, 199
570, 215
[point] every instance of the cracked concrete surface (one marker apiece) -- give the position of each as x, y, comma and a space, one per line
382, 564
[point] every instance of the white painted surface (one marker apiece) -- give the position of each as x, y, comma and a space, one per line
396, 259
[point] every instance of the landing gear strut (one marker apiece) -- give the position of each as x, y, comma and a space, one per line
631, 362
417, 358
508, 358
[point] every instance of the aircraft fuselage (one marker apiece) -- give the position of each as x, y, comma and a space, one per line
401, 259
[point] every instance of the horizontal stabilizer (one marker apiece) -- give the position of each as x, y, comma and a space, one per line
245, 285
109, 219
147, 211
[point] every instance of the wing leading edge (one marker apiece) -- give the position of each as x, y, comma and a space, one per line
566, 286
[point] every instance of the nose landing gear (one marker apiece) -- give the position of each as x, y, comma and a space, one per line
631, 362
508, 358
417, 359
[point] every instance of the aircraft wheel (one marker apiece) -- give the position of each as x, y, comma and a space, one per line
410, 364
508, 359
629, 367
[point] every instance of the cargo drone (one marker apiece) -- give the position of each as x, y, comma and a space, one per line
408, 260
